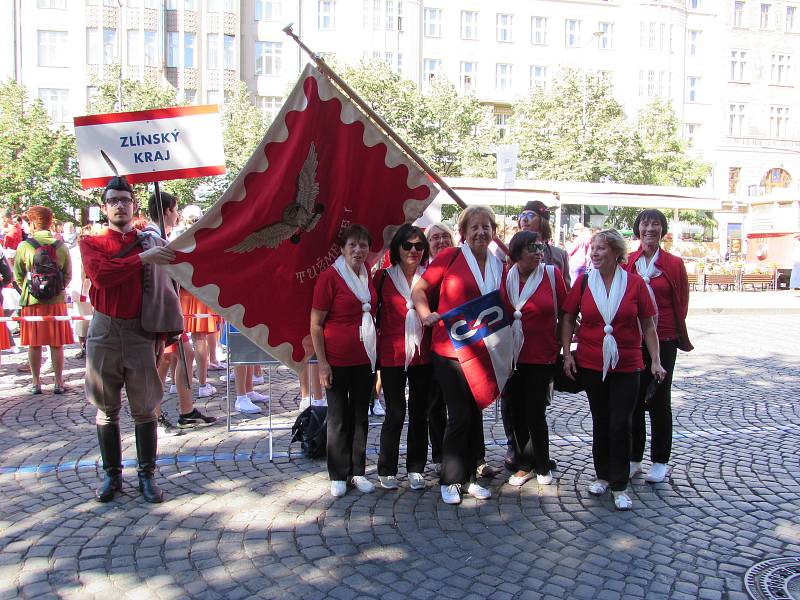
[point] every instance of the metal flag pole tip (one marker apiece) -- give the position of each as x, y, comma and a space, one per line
109, 162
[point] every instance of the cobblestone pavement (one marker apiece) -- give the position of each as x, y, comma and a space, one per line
236, 525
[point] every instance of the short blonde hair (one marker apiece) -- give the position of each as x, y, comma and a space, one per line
616, 242
471, 212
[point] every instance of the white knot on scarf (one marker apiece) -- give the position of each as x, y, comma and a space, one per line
493, 270
413, 326
518, 300
608, 305
648, 271
360, 288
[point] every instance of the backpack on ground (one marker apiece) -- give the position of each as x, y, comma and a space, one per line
45, 278
311, 430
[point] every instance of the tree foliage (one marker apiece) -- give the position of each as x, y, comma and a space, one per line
37, 161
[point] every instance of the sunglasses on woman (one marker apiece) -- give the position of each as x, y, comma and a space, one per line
418, 246
536, 247
527, 214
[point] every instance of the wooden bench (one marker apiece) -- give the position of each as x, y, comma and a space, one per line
720, 280
764, 281
692, 280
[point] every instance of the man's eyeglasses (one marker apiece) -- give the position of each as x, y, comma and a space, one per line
418, 246
439, 237
537, 247
527, 214
119, 201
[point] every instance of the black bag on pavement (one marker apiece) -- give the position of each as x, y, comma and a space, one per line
311, 430
45, 279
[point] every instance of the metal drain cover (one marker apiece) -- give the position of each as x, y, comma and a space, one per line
774, 579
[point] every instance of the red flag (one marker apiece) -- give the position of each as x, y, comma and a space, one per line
255, 255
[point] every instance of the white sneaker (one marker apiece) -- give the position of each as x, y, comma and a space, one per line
319, 401
636, 467
245, 405
518, 480
377, 409
338, 489
173, 389
657, 473
416, 481
388, 482
622, 501
363, 484
258, 379
305, 403
206, 391
451, 494
256, 397
598, 487
478, 491
545, 479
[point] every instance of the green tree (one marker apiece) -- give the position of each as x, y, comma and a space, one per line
37, 161
136, 95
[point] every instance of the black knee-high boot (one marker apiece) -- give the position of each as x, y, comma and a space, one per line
146, 449
111, 453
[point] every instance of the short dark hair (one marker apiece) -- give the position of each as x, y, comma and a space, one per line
120, 184
167, 201
356, 232
655, 215
519, 242
404, 233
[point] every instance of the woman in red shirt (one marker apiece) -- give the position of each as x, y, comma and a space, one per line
616, 311
459, 275
534, 292
345, 342
403, 356
666, 279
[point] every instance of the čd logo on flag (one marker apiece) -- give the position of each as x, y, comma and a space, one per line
480, 331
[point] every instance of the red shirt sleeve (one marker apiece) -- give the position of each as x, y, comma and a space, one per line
323, 294
103, 270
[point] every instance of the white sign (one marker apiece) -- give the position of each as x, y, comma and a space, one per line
506, 165
150, 145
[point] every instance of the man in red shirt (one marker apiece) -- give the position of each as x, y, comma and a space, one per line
136, 306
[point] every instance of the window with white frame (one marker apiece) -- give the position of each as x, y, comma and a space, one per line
690, 131
765, 15
539, 31
605, 41
213, 97
468, 75
326, 15
504, 25
60, 4
172, 48
388, 58
377, 14
692, 89
187, 5
663, 42
433, 22
390, 15
190, 96
92, 94
778, 121
736, 112
431, 69
790, 23
501, 122
270, 106
212, 51
694, 41
651, 83
781, 63
56, 103
92, 45
651, 36
738, 13
150, 48
399, 15
738, 65
399, 62
538, 77
694, 4
502, 77
268, 10
134, 45
189, 50
109, 46
268, 58
229, 52
469, 25
572, 33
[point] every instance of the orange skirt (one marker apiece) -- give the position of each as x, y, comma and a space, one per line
45, 333
5, 337
192, 306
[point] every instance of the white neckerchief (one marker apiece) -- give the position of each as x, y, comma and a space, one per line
519, 299
607, 305
360, 288
493, 269
413, 327
647, 271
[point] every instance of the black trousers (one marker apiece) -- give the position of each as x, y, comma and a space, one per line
612, 403
463, 436
348, 406
394, 392
529, 387
660, 411
437, 420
